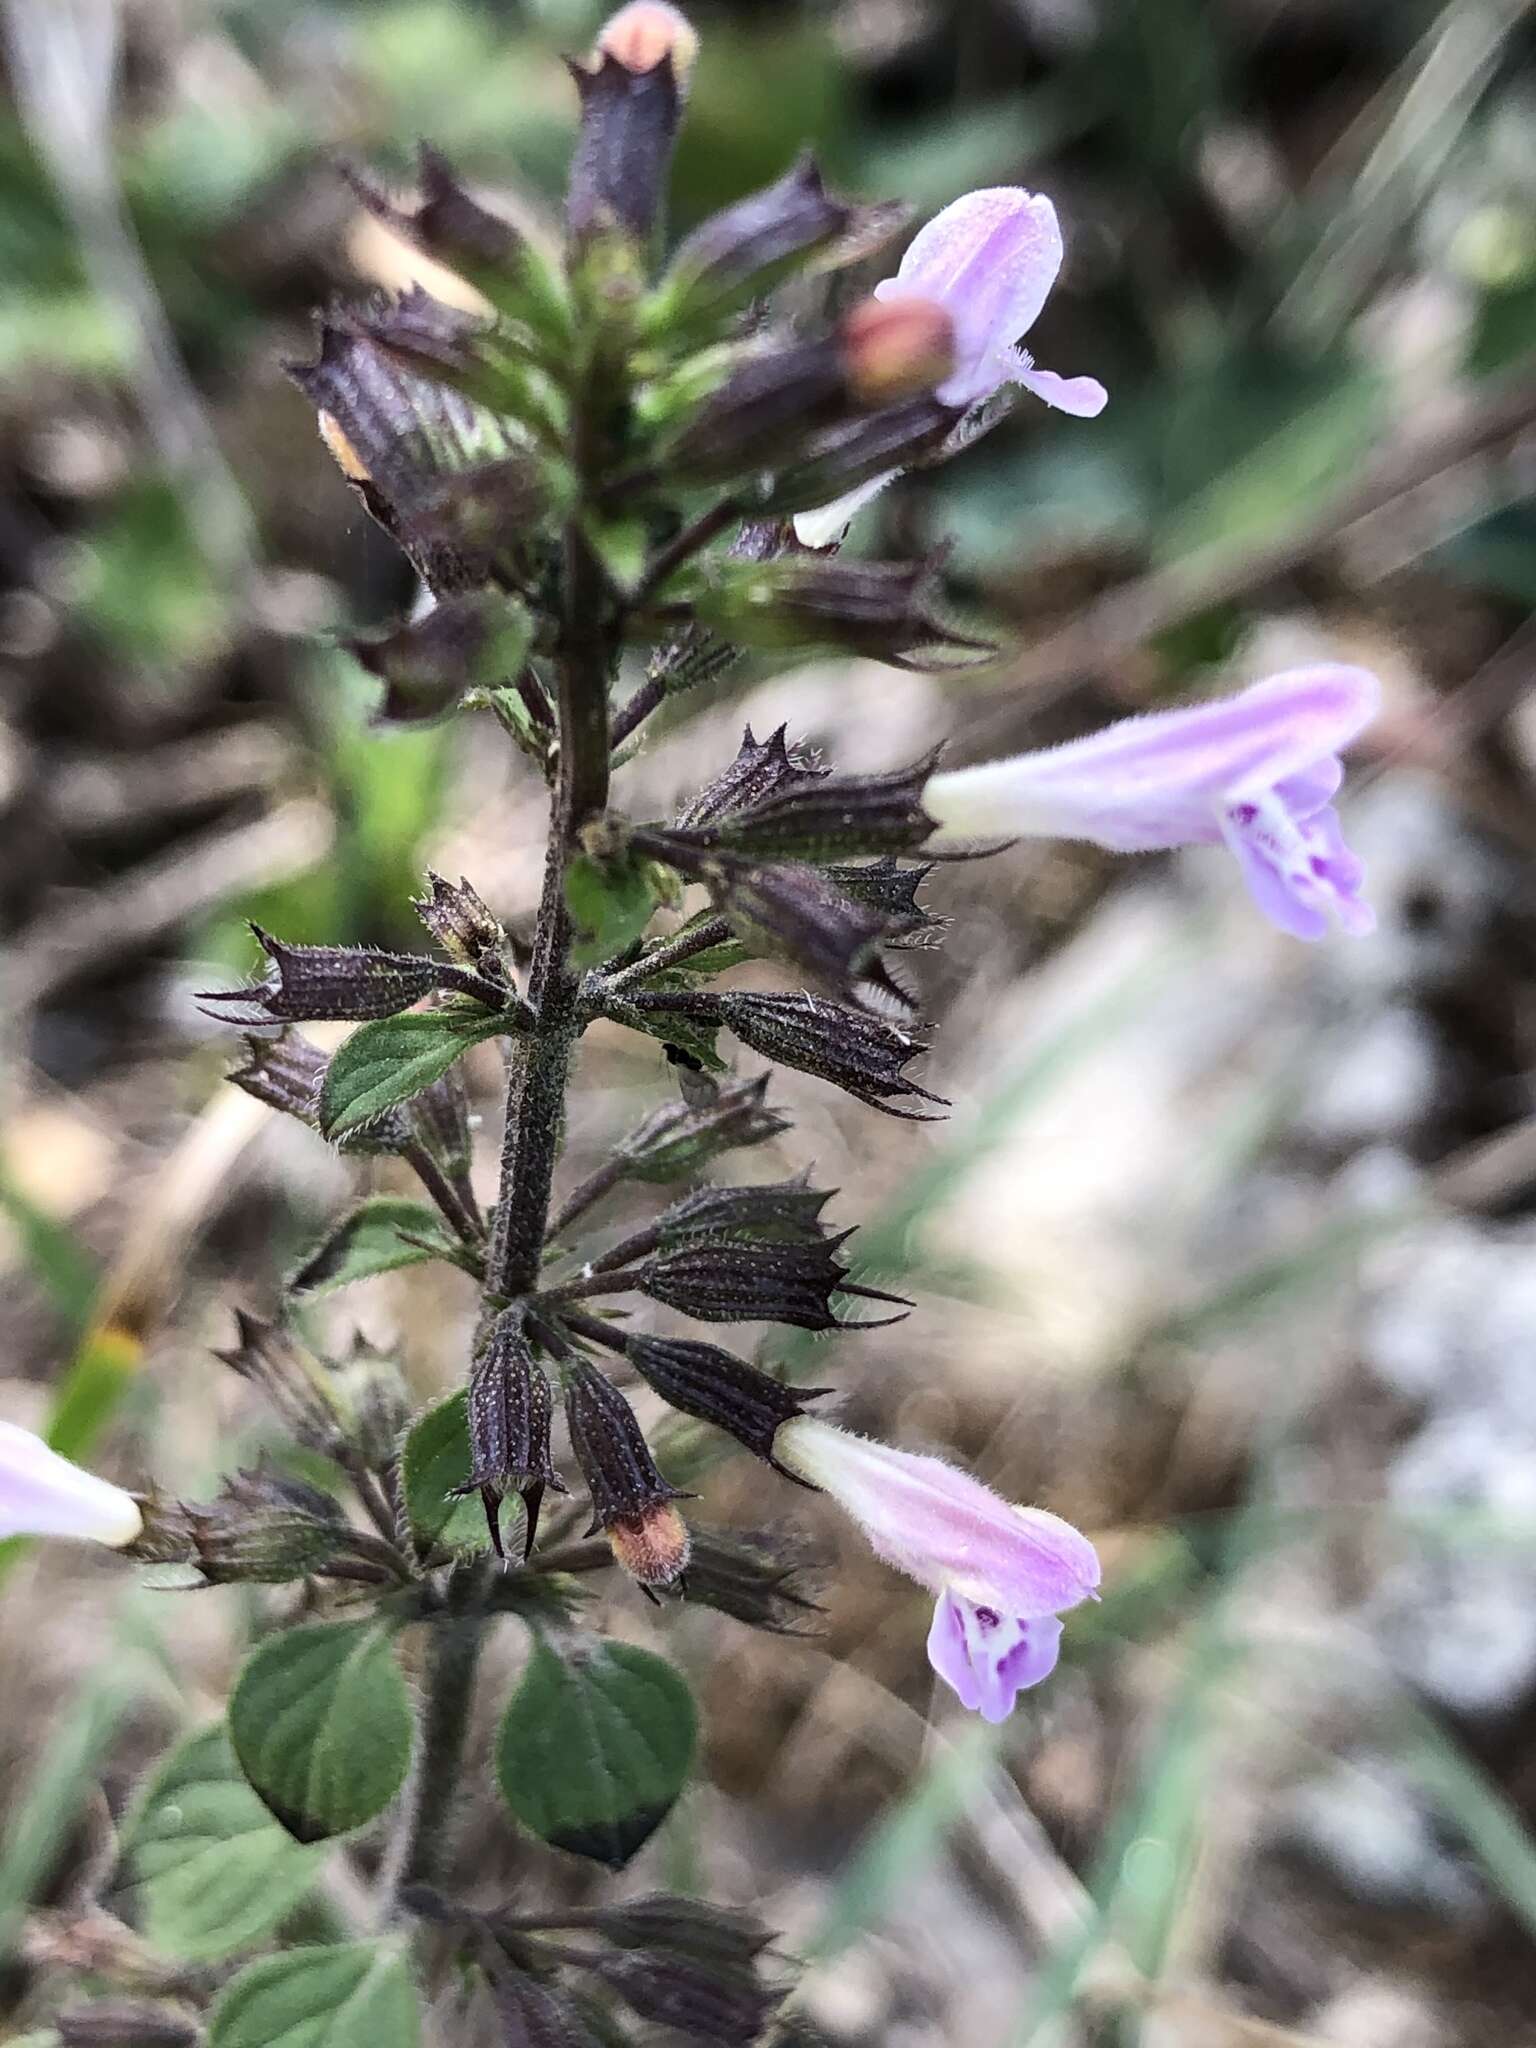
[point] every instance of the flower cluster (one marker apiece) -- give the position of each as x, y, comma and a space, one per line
626, 457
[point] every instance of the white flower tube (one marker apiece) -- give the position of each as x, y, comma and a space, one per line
42, 1494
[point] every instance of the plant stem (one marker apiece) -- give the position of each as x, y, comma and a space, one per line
417, 1852
540, 1063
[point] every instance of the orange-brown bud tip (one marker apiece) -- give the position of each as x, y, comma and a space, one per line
641, 35
896, 348
348, 461
652, 1546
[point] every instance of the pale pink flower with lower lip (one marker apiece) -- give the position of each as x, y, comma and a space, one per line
1003, 1574
42, 1494
1256, 773
990, 260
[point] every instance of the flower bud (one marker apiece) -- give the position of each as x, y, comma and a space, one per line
648, 33
445, 221
754, 1577
858, 1052
896, 349
475, 642
462, 925
746, 248
631, 89
42, 1494
792, 912
261, 1528
510, 1411
683, 1137
399, 436
653, 1546
707, 2001
881, 609
293, 1381
840, 459
688, 1927
759, 771
351, 984
733, 1281
621, 1475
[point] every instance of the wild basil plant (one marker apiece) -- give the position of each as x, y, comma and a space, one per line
623, 464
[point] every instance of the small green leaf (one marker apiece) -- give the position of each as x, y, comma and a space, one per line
620, 545
434, 1463
379, 1235
356, 1994
204, 1869
611, 903
595, 1746
321, 1724
394, 1058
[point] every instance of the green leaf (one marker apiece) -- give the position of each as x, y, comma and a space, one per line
611, 903
321, 1724
594, 1748
204, 1869
620, 545
354, 1995
434, 1463
379, 1235
394, 1058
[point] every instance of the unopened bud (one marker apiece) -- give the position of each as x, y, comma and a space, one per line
462, 924
685, 1136
856, 1051
746, 1281
648, 33
476, 641
615, 1459
760, 770
653, 1547
265, 1528
632, 93
895, 348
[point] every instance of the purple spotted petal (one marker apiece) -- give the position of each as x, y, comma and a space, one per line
988, 1658
1256, 771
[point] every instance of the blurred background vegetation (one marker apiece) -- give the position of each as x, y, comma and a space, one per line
1228, 1250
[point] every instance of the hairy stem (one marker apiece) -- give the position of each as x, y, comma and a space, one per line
540, 1064
418, 1850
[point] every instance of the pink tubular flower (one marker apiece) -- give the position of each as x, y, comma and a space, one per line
1002, 1574
989, 260
42, 1494
1256, 772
